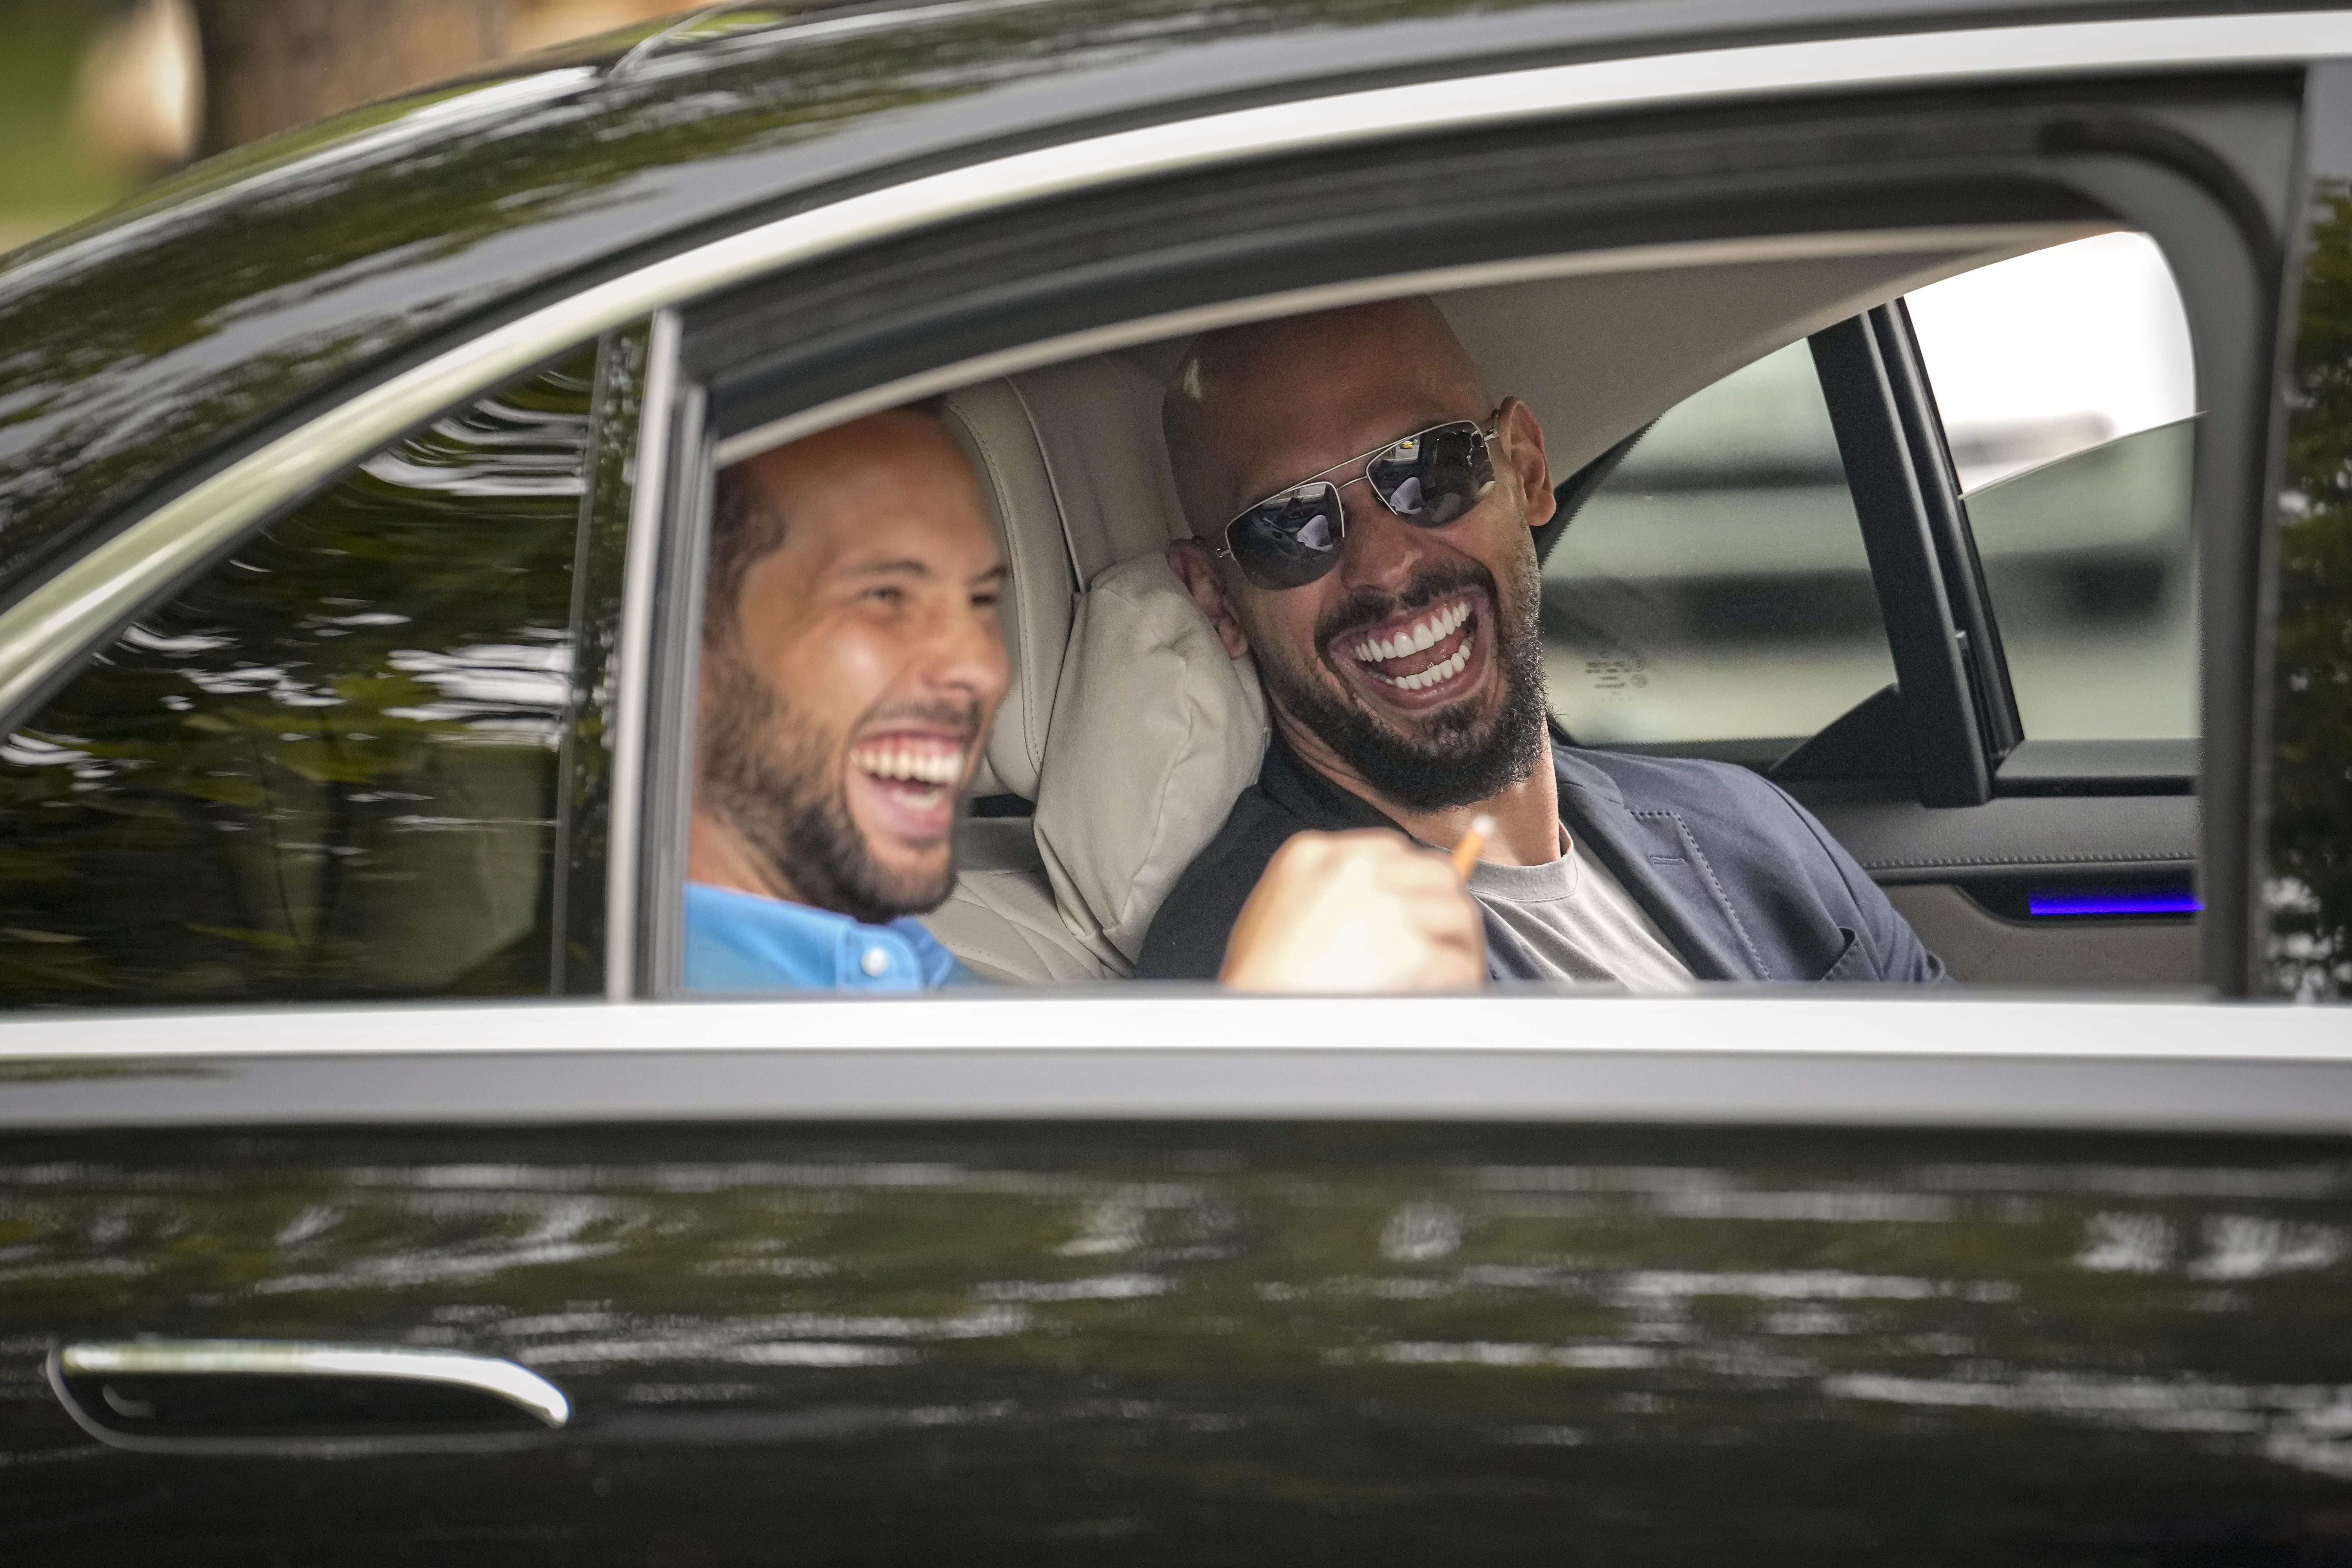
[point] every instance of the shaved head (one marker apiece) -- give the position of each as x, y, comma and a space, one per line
1410, 669
1246, 394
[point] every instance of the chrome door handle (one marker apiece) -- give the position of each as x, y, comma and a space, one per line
273, 1395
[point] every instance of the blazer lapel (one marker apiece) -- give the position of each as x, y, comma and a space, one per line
1662, 866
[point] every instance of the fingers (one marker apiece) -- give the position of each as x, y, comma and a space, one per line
1363, 910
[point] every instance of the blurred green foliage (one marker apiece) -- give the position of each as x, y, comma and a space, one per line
47, 177
327, 768
2310, 946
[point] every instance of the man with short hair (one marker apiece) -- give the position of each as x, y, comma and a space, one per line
851, 664
1364, 522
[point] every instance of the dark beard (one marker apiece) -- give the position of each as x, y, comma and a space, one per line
1455, 758
778, 782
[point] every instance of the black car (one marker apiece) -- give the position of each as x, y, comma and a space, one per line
373, 1192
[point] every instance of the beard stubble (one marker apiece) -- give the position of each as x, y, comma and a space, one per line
1455, 757
778, 780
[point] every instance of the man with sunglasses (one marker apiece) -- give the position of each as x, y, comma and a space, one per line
1364, 519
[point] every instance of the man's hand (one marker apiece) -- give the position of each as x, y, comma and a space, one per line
1357, 912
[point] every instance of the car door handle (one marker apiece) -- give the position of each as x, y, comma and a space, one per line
273, 1395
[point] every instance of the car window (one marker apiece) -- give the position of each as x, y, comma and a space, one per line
326, 768
2067, 394
1715, 587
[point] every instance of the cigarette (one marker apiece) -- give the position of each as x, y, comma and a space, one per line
1465, 854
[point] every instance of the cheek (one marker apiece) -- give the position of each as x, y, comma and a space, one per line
834, 673
1284, 624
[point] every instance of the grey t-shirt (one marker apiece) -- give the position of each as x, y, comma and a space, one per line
1579, 922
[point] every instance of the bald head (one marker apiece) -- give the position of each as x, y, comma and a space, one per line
1250, 404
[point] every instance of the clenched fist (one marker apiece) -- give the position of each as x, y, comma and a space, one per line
1357, 912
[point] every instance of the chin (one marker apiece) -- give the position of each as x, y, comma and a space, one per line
915, 883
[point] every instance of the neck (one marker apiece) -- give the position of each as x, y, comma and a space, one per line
1526, 813
718, 857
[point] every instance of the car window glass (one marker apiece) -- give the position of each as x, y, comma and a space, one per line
2068, 397
327, 768
1716, 586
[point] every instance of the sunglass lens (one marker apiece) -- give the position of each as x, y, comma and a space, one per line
1433, 477
1290, 540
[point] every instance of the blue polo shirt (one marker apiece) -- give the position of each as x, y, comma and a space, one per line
742, 942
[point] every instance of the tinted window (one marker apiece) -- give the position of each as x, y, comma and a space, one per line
1716, 586
2067, 392
327, 767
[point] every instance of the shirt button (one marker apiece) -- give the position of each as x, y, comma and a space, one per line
875, 961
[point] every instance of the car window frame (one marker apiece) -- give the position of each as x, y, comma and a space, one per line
2210, 216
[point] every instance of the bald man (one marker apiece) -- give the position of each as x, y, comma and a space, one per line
1364, 519
851, 664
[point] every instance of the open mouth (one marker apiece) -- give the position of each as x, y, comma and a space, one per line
914, 777
1423, 658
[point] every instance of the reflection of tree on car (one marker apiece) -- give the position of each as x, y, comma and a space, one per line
2310, 889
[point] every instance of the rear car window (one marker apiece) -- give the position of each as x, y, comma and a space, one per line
1716, 586
2068, 396
327, 768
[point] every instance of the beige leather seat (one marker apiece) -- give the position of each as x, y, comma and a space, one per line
1125, 722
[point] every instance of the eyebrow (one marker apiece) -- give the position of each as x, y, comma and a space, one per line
907, 566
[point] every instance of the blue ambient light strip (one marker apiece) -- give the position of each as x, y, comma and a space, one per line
2113, 902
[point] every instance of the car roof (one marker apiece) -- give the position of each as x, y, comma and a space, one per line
156, 342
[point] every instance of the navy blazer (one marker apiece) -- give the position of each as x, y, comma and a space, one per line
1742, 880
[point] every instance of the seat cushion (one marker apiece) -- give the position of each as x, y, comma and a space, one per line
1156, 731
1001, 919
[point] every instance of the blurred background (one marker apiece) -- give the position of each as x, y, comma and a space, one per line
99, 97
1714, 591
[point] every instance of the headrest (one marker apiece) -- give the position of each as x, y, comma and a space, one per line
1156, 731
1076, 478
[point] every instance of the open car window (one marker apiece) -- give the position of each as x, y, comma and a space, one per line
1723, 580
2067, 390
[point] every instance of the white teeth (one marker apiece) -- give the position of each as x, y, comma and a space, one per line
939, 768
1420, 635
1445, 669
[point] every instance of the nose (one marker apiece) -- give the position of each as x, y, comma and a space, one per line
964, 656
1382, 550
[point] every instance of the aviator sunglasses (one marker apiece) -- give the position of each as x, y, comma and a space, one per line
1429, 479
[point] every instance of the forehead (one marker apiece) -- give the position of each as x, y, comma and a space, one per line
1274, 417
901, 489
1285, 452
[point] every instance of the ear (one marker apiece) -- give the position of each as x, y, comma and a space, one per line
1191, 560
1522, 451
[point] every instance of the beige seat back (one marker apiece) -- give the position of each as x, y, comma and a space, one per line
1076, 483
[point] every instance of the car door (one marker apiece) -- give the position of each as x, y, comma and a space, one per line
1092, 1276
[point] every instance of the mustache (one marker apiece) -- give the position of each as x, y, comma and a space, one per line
1369, 607
964, 718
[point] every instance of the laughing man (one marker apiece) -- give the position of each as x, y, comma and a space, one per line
851, 664
1363, 519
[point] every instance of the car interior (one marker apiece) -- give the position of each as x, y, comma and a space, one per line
1714, 587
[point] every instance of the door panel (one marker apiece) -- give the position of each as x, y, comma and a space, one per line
1274, 1343
1977, 944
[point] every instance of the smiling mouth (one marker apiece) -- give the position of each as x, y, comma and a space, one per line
1426, 652
917, 772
